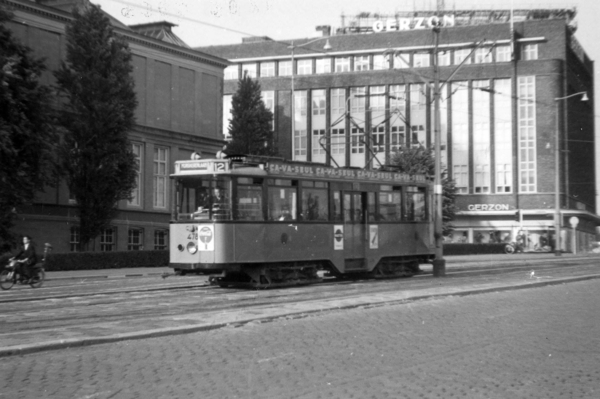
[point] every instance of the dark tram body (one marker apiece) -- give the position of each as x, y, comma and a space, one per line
264, 222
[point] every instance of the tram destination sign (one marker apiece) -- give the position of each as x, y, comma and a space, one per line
289, 170
201, 166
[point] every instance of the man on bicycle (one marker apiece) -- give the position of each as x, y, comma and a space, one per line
26, 258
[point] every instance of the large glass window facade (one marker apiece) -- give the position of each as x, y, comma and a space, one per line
226, 115
300, 125
460, 136
527, 126
318, 125
338, 124
481, 136
503, 135
269, 100
398, 117
377, 101
418, 115
357, 127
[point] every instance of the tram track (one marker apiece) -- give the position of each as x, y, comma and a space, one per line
31, 296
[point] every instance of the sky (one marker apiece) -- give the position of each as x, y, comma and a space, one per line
213, 22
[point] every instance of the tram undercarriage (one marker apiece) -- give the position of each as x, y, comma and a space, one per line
301, 273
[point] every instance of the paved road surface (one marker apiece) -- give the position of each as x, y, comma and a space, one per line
534, 343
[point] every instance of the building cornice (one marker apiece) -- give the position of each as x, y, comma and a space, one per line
64, 17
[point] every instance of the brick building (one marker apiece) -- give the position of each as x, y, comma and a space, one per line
179, 91
365, 91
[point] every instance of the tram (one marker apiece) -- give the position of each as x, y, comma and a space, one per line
265, 222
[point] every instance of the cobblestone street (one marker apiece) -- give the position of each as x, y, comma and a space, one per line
534, 343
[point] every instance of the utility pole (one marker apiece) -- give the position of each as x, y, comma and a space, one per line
439, 264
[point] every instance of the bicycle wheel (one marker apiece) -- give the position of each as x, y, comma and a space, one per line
7, 279
38, 279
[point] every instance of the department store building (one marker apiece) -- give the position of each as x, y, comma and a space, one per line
364, 90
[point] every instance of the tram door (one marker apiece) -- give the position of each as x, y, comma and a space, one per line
354, 230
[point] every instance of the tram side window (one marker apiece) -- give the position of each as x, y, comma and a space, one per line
282, 200
315, 201
415, 204
337, 205
249, 199
390, 205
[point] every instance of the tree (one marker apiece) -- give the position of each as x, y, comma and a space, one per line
97, 85
250, 125
27, 135
420, 160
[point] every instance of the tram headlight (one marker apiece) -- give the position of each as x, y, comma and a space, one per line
192, 247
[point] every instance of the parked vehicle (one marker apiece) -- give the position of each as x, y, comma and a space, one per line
11, 274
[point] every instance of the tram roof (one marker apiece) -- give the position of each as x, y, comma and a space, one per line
279, 168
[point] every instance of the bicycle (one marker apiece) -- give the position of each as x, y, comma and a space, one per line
11, 274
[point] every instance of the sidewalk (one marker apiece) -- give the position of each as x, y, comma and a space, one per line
31, 341
452, 262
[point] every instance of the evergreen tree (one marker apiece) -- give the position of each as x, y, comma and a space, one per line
27, 135
250, 125
420, 160
96, 81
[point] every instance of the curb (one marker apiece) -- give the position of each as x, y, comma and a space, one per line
80, 342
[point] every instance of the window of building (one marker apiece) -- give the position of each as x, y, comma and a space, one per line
397, 137
445, 58
342, 64
75, 239
529, 52
285, 68
503, 135
249, 197
108, 240
161, 239
460, 136
483, 55
380, 62
481, 136
267, 69
401, 60
317, 149
269, 100
503, 53
338, 101
418, 114
305, 67
527, 136
232, 72
318, 102
136, 193
135, 239
250, 70
161, 176
361, 63
378, 137
323, 65
338, 141
462, 55
421, 60
357, 99
300, 125
377, 98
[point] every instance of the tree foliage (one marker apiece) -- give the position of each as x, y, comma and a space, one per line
97, 84
27, 135
420, 160
250, 124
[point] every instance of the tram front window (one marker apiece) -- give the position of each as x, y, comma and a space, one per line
203, 200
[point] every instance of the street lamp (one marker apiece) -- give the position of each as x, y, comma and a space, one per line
557, 218
326, 47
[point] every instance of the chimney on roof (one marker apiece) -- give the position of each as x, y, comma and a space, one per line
64, 5
324, 29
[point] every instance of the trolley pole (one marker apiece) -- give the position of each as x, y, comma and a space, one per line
439, 264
